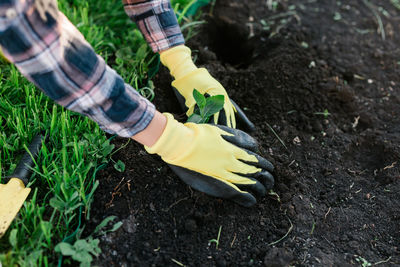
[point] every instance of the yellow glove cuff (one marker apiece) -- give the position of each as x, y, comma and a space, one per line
178, 60
174, 133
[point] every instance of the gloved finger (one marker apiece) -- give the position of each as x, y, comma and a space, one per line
225, 118
242, 121
230, 115
264, 177
239, 138
257, 187
261, 162
214, 187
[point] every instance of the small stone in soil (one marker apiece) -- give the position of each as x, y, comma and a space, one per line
129, 225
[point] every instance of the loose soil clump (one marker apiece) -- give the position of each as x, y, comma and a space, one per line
322, 87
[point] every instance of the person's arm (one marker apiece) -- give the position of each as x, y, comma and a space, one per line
157, 22
49, 51
153, 131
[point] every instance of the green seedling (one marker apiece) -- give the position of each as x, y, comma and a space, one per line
266, 25
206, 107
83, 250
325, 113
313, 228
119, 166
363, 262
277, 136
275, 195
337, 16
216, 241
272, 5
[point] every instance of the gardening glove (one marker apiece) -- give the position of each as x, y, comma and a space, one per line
217, 160
188, 77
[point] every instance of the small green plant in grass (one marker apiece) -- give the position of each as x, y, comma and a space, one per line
119, 166
206, 107
83, 250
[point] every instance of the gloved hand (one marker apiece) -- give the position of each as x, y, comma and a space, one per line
216, 160
188, 77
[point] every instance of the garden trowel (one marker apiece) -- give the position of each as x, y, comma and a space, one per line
14, 193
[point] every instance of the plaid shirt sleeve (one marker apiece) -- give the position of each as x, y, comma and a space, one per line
157, 22
55, 56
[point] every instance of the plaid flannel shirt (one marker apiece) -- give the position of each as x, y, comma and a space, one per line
54, 55
157, 22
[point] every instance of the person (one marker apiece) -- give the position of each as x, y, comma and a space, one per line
48, 50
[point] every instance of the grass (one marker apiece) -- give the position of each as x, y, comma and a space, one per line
381, 28
64, 179
283, 237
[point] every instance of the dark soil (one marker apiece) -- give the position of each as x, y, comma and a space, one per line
337, 175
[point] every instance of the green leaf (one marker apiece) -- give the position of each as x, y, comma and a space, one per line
195, 118
141, 53
57, 204
13, 238
107, 148
94, 243
65, 249
85, 264
116, 226
81, 245
32, 258
82, 256
213, 105
103, 224
199, 98
119, 166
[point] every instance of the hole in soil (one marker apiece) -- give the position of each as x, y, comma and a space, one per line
230, 42
376, 159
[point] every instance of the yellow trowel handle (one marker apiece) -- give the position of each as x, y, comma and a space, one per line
12, 197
